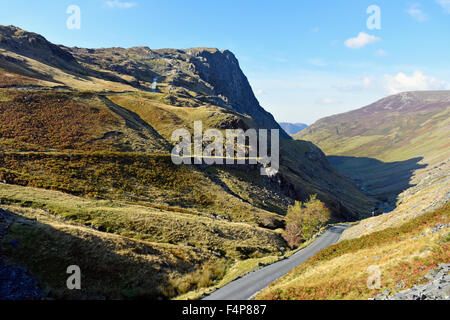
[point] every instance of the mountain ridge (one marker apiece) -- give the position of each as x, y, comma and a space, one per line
194, 68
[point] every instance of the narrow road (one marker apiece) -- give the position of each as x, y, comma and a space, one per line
246, 287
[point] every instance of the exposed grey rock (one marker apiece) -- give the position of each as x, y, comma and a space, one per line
437, 289
401, 285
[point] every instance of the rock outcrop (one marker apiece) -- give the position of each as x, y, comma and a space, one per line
438, 287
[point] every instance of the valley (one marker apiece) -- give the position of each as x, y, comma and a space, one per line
87, 178
85, 138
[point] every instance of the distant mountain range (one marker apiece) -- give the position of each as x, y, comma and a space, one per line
293, 128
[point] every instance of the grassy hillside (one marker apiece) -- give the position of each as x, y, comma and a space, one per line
41, 120
304, 170
152, 180
148, 223
47, 120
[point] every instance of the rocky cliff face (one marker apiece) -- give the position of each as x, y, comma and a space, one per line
213, 75
221, 70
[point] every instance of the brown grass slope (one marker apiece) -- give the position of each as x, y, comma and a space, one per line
55, 121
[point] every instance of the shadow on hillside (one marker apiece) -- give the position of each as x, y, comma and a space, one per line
46, 253
384, 181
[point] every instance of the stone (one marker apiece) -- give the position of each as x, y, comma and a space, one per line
438, 287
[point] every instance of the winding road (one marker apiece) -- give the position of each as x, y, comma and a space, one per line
246, 287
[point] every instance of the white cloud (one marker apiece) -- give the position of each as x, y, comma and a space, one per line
445, 4
417, 14
361, 41
417, 81
120, 4
381, 53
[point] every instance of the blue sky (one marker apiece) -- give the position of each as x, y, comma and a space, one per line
305, 59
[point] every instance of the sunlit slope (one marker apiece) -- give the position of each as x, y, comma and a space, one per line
48, 120
304, 169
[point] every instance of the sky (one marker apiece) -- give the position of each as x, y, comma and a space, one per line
305, 59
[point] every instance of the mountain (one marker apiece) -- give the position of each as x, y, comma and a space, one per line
85, 140
213, 76
386, 128
293, 128
396, 149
